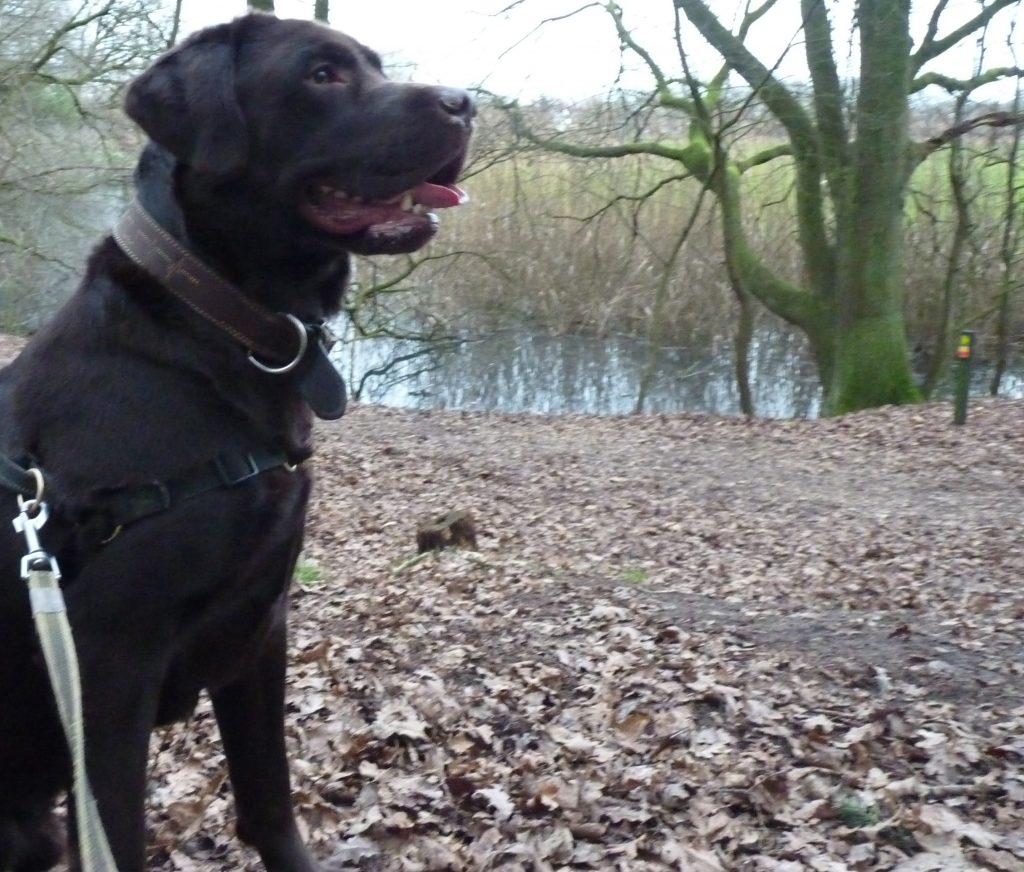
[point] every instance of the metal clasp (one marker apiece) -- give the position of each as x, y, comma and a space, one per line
325, 335
34, 515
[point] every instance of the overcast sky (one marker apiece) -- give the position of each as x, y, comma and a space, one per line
468, 43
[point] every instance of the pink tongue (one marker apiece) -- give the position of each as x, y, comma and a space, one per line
438, 196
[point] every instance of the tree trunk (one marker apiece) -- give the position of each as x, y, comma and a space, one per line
172, 37
851, 305
261, 5
321, 11
942, 351
741, 352
1008, 255
872, 366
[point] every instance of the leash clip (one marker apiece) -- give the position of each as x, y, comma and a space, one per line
34, 514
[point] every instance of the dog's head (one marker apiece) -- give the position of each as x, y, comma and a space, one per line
269, 114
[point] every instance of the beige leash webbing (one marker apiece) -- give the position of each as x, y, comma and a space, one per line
40, 570
62, 663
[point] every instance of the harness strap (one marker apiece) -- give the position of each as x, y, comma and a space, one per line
125, 506
15, 478
227, 470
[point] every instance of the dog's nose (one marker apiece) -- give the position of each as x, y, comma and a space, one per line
455, 101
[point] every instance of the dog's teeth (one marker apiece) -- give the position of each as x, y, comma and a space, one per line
407, 204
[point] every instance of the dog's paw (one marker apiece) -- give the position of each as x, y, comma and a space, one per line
29, 847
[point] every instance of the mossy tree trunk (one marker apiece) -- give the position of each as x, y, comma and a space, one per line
851, 180
872, 365
851, 164
848, 200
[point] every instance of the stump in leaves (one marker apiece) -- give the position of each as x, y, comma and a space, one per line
453, 530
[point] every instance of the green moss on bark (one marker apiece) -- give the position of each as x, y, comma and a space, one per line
871, 367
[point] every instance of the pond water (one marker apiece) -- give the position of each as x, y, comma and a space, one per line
518, 370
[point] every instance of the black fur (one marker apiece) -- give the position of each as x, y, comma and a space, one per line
127, 385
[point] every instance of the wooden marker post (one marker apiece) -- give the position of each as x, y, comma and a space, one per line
962, 385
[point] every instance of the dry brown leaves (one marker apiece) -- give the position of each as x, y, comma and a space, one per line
685, 643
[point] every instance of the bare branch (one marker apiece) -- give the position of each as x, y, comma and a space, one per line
55, 43
764, 156
640, 199
989, 119
933, 22
783, 105
172, 37
542, 23
954, 86
658, 149
665, 95
932, 47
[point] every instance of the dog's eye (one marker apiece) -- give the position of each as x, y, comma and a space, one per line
329, 74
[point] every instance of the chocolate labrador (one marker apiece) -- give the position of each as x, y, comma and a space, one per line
169, 408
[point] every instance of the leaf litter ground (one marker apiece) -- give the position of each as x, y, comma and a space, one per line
685, 642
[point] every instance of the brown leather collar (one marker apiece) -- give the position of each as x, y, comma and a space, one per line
276, 338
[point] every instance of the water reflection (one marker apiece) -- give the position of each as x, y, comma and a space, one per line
523, 371
519, 371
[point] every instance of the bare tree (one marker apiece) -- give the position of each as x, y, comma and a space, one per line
66, 151
851, 154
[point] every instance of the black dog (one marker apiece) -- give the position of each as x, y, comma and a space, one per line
168, 410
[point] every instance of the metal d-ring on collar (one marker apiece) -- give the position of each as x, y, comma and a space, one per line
288, 367
169, 261
264, 335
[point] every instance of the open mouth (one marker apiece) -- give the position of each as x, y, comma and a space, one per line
399, 223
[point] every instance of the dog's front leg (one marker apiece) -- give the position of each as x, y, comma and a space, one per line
250, 715
119, 712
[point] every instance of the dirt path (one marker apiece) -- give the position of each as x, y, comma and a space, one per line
685, 642
889, 539
863, 575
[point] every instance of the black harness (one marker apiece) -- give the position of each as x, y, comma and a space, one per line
15, 478
285, 344
119, 507
122, 507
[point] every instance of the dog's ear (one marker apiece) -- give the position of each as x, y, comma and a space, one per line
186, 103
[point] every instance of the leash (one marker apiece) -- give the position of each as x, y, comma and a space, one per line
39, 569
280, 338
